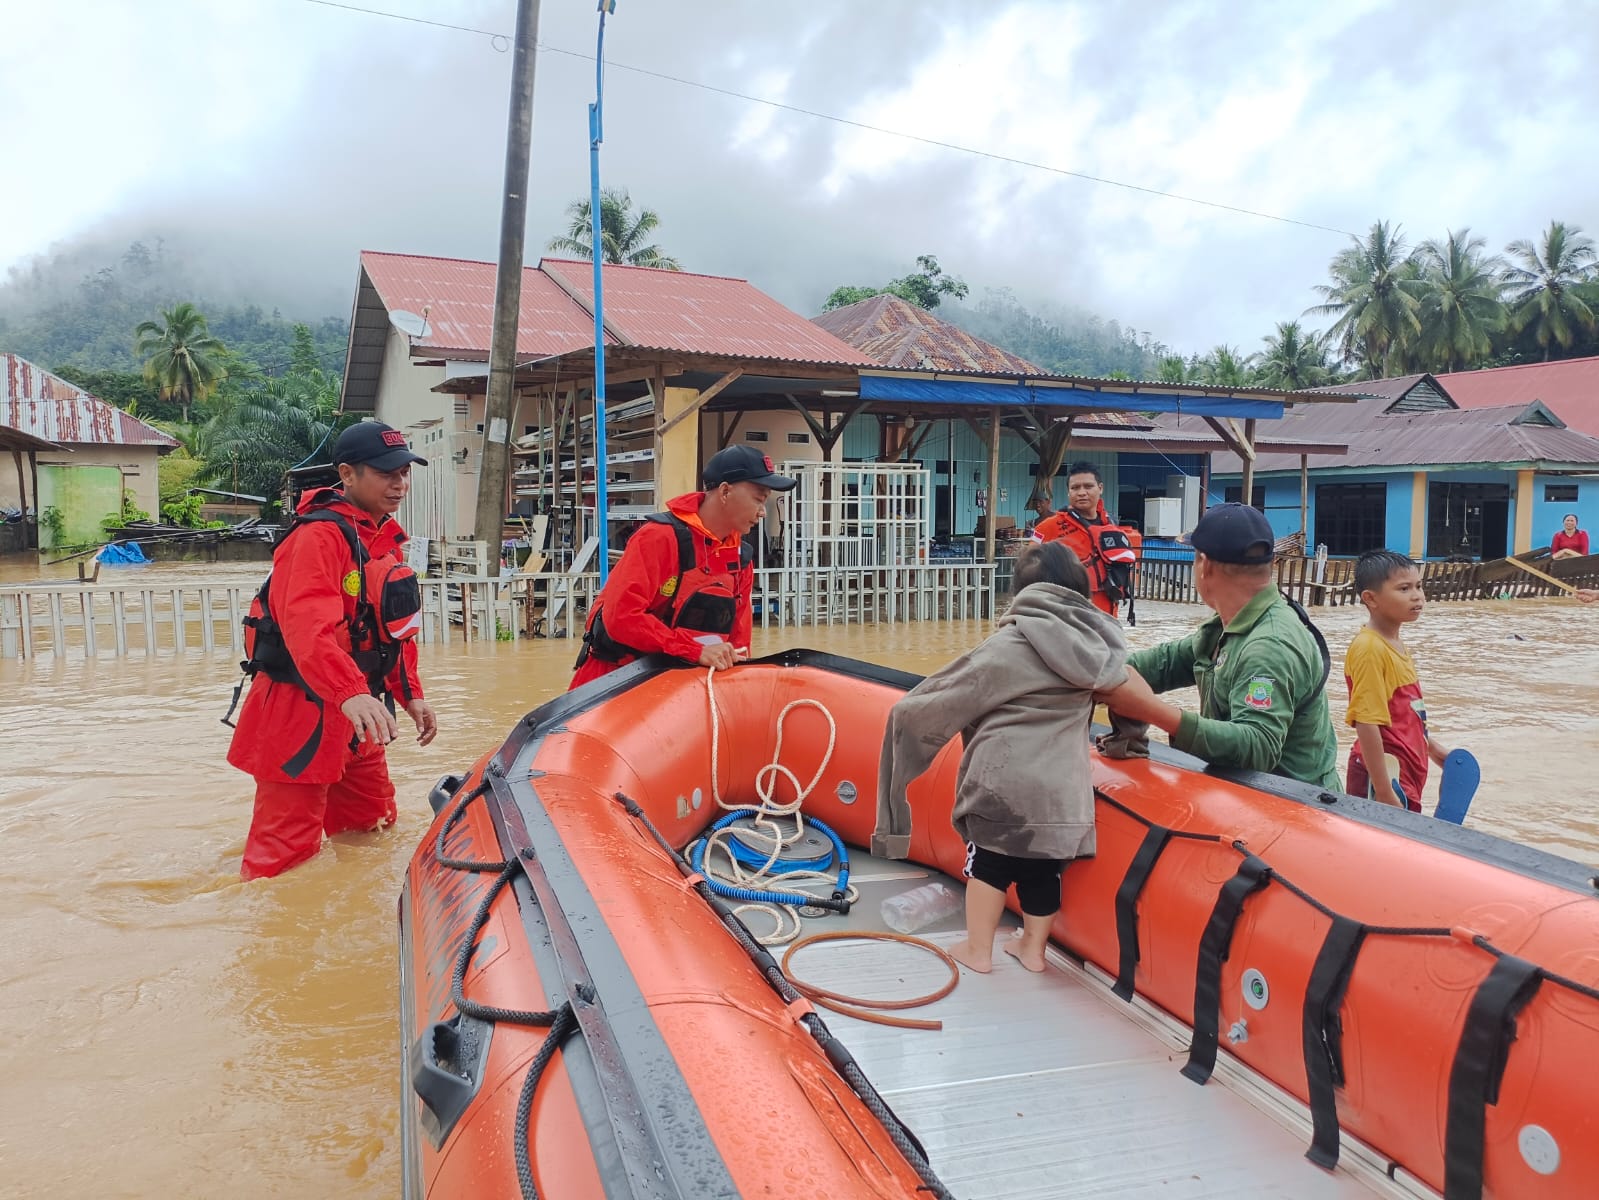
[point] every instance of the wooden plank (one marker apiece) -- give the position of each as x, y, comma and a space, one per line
1532, 570
86, 607
701, 401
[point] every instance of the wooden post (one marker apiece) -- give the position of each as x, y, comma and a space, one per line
1304, 503
994, 428
22, 482
1249, 461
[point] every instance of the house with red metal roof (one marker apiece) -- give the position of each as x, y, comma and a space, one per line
1424, 474
1569, 388
86, 454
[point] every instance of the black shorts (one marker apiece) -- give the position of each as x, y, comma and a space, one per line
1037, 880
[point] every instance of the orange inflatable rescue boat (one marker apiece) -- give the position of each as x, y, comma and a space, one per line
1375, 1002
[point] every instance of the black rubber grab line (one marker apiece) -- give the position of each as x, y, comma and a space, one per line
1323, 1032
1253, 874
1479, 1067
1132, 886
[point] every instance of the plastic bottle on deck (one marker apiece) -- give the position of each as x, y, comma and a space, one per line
920, 907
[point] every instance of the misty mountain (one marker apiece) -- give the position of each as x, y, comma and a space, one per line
1066, 341
78, 306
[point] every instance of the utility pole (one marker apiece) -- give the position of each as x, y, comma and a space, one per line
496, 459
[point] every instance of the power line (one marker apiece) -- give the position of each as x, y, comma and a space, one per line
502, 41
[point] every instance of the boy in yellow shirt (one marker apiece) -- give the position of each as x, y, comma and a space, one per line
1392, 746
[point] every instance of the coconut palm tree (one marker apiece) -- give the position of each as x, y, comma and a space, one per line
1373, 297
1224, 366
622, 234
1543, 286
180, 355
261, 433
1461, 309
1294, 358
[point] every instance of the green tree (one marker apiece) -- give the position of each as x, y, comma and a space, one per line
1544, 286
1373, 297
624, 235
1224, 367
1172, 369
1461, 310
926, 287
1294, 358
180, 355
303, 358
260, 434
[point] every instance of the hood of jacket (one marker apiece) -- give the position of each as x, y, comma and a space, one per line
1089, 652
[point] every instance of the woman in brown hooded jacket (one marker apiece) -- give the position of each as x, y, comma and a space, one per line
1023, 701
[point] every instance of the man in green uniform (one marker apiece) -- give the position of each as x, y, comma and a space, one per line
1260, 666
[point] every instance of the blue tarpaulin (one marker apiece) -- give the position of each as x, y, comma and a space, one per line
122, 554
994, 393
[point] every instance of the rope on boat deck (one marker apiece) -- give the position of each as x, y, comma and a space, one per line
857, 1006
764, 823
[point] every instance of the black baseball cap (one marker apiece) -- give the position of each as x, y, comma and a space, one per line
745, 464
379, 446
1234, 533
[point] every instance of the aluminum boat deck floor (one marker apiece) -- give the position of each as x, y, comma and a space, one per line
1045, 1086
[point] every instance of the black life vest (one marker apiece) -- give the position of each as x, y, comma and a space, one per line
388, 612
697, 598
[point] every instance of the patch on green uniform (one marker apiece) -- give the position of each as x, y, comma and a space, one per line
1259, 691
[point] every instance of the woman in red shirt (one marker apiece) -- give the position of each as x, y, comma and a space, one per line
1570, 542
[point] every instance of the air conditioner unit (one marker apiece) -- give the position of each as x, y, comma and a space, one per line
1163, 516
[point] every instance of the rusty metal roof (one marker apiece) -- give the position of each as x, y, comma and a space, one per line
1570, 387
703, 314
896, 333
1382, 440
36, 402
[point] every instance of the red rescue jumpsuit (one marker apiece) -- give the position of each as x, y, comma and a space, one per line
1066, 526
644, 587
313, 600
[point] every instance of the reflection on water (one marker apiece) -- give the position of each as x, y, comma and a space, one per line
177, 1033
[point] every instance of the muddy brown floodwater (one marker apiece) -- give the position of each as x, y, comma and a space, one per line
172, 1032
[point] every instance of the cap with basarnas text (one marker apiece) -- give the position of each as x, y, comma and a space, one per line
376, 445
1234, 533
745, 464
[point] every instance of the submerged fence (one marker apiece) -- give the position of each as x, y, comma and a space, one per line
1332, 581
118, 619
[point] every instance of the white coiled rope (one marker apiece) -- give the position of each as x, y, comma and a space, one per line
764, 825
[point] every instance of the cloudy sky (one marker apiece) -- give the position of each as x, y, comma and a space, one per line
274, 139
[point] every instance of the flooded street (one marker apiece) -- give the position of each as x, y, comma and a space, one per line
171, 1031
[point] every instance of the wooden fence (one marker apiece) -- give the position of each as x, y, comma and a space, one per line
1332, 581
118, 619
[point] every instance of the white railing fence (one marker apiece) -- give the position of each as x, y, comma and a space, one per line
115, 619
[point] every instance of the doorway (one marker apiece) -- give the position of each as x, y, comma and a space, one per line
1468, 520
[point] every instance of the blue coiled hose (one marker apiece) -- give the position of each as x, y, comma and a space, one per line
838, 902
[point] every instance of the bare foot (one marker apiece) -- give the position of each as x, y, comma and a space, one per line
1033, 961
963, 953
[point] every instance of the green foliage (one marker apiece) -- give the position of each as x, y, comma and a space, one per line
130, 512
1062, 341
262, 432
926, 287
77, 310
53, 523
1293, 359
185, 511
179, 471
181, 355
623, 234
1552, 291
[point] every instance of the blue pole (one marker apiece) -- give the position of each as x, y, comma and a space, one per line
596, 136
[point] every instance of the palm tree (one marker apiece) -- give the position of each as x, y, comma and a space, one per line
622, 235
180, 355
261, 433
1542, 286
1373, 295
1461, 308
1224, 367
1294, 358
1172, 369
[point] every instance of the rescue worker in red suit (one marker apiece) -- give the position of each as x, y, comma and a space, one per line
317, 750
1075, 525
682, 586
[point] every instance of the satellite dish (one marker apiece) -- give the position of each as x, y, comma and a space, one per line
410, 324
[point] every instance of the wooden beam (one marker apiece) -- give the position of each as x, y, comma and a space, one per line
818, 430
1304, 502
916, 440
22, 486
994, 428
1232, 437
731, 429
701, 400
1249, 461
835, 429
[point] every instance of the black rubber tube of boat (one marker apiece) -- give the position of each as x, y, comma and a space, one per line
837, 1053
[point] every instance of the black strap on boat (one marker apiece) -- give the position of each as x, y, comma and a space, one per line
1479, 1067
1324, 1057
1253, 874
1132, 886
